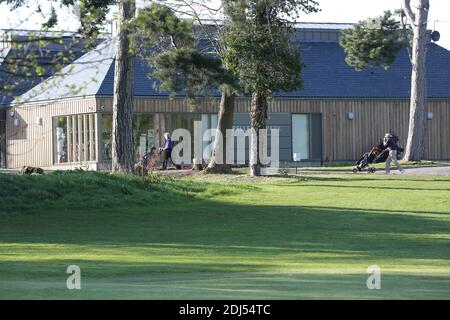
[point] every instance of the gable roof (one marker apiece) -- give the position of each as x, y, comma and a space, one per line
83, 77
322, 25
325, 75
16, 45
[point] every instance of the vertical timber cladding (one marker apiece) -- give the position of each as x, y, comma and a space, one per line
438, 134
29, 141
346, 140
342, 139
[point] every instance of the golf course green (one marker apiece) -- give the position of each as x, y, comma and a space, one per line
228, 237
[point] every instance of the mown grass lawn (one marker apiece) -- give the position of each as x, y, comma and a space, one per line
230, 238
348, 167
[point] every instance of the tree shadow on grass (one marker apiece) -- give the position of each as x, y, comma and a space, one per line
227, 227
100, 280
161, 240
209, 249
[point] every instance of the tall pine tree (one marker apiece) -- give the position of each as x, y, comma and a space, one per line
376, 42
263, 53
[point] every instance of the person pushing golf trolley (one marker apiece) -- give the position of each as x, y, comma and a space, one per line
167, 151
387, 151
390, 142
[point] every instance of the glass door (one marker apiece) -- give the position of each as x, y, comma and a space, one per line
307, 136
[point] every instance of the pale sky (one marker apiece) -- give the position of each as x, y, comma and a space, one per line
332, 11
355, 10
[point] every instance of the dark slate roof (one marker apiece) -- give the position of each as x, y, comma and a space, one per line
44, 55
326, 75
143, 86
83, 77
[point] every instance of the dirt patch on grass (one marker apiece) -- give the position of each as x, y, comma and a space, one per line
237, 176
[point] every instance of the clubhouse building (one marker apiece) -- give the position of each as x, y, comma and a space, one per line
65, 122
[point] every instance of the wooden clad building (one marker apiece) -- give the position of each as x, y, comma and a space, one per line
337, 116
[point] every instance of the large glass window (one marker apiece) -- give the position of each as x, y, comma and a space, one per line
106, 136
209, 121
143, 135
60, 129
307, 136
300, 136
74, 138
181, 121
186, 121
143, 126
147, 132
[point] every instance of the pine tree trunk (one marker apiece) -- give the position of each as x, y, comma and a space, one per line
258, 116
122, 126
224, 121
415, 146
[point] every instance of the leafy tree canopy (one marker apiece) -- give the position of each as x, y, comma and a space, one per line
33, 59
261, 48
171, 49
373, 42
191, 70
158, 24
92, 13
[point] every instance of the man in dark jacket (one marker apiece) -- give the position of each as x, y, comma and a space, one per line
390, 141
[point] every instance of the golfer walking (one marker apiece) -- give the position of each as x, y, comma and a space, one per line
167, 150
390, 141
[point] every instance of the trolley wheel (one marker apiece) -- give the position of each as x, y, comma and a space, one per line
355, 170
372, 170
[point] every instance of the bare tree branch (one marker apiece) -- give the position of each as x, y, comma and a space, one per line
405, 36
409, 12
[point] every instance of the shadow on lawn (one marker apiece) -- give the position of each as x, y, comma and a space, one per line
170, 243
230, 228
214, 250
142, 284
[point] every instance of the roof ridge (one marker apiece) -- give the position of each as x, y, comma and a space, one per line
68, 76
323, 22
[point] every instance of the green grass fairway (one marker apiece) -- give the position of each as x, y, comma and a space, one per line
234, 237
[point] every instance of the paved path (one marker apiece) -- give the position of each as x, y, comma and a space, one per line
444, 170
440, 171
423, 171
